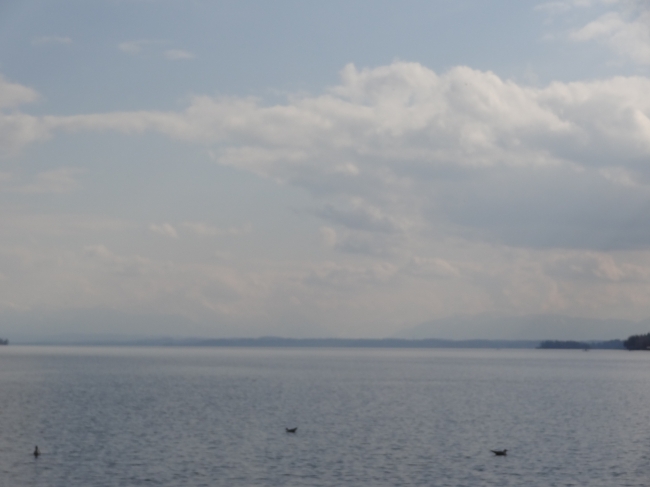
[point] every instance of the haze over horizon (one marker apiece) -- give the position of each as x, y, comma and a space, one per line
348, 169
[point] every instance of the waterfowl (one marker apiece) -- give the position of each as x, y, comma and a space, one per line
500, 453
291, 430
37, 452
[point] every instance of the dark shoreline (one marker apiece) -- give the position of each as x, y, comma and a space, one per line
279, 342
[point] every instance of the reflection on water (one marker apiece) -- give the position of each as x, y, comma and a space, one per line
213, 416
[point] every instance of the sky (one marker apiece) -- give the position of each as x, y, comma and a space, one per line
321, 169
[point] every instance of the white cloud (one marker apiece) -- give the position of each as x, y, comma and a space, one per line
353, 296
399, 150
206, 229
62, 180
328, 234
621, 25
178, 54
164, 229
18, 129
51, 227
141, 46
40, 41
13, 94
436, 267
563, 6
596, 266
359, 215
629, 38
154, 46
554, 8
405, 113
96, 276
134, 47
201, 228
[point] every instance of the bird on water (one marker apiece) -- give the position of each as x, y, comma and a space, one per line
37, 452
291, 430
500, 453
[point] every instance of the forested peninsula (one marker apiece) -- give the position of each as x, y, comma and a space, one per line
575, 345
638, 342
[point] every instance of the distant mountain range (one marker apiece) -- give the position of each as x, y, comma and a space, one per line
528, 327
93, 327
279, 342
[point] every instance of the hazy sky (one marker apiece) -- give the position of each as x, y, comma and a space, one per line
342, 168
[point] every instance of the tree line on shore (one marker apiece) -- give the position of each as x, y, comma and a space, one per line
575, 345
638, 342
634, 342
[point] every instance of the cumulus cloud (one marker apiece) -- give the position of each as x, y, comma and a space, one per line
164, 229
563, 6
397, 151
329, 236
341, 277
359, 215
44, 40
621, 25
206, 229
432, 267
62, 180
50, 227
18, 129
178, 54
136, 47
154, 46
553, 8
14, 94
628, 37
87, 266
591, 266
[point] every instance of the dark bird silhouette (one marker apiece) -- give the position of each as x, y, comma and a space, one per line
291, 430
500, 453
37, 452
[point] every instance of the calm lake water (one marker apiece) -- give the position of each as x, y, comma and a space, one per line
217, 417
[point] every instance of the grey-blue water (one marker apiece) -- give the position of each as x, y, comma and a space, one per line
217, 417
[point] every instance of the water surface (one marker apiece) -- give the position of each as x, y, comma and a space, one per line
217, 417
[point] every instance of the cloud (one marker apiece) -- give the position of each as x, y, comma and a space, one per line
136, 47
560, 7
340, 277
13, 94
205, 229
359, 215
432, 267
20, 226
59, 181
164, 229
50, 278
18, 129
52, 262
553, 8
630, 38
399, 151
45, 40
621, 25
591, 266
142, 46
178, 54
329, 236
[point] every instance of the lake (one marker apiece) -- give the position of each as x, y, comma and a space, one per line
379, 417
